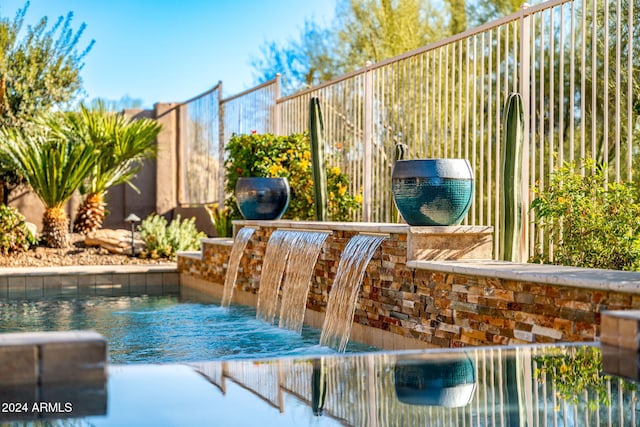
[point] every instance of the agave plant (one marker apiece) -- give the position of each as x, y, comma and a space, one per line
54, 167
123, 143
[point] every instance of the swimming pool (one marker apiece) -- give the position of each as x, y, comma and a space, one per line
564, 385
164, 328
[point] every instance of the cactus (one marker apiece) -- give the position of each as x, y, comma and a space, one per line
511, 198
316, 127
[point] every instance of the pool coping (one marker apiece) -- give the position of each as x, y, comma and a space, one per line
101, 280
88, 269
579, 277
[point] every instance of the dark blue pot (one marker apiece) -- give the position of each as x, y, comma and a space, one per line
262, 198
432, 191
448, 381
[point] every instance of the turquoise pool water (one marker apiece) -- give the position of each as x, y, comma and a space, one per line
163, 329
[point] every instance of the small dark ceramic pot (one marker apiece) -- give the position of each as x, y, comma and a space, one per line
432, 191
449, 381
262, 198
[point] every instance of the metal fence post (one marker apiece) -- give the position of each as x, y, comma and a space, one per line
221, 144
525, 93
367, 142
275, 126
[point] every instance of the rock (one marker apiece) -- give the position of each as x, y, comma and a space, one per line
115, 241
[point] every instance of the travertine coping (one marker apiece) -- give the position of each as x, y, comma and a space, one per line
589, 278
88, 269
52, 357
222, 241
360, 227
103, 280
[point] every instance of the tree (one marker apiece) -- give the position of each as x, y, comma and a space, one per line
374, 30
365, 30
53, 164
38, 70
303, 63
123, 144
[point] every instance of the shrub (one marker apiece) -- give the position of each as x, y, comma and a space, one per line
221, 219
162, 240
266, 155
14, 234
591, 222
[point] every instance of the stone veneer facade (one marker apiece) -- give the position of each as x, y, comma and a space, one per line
428, 308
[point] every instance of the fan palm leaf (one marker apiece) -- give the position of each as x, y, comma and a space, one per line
123, 142
53, 166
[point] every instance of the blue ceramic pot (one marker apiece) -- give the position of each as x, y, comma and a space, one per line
448, 381
262, 198
432, 191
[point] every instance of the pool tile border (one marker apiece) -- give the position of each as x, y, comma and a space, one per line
111, 280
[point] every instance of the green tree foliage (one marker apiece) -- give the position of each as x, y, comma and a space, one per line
53, 164
487, 10
124, 144
364, 30
302, 62
374, 30
39, 69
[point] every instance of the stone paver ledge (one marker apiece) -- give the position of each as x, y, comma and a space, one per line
88, 270
590, 278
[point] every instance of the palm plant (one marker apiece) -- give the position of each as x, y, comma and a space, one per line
54, 166
123, 143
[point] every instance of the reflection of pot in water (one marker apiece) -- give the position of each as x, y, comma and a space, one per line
449, 380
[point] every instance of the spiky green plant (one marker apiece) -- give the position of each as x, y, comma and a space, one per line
316, 127
511, 199
124, 144
54, 167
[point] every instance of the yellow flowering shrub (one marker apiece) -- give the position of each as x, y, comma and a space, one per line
267, 155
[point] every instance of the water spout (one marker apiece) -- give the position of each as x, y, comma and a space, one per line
275, 260
295, 289
239, 245
344, 292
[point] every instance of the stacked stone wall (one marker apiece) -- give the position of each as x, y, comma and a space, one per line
440, 309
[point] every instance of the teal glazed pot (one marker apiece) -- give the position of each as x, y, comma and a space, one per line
432, 191
262, 198
448, 382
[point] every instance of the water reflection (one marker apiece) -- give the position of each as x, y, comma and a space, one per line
515, 386
447, 380
487, 386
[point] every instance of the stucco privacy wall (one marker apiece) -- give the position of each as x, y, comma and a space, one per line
438, 308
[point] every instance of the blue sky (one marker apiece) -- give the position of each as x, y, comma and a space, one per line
171, 50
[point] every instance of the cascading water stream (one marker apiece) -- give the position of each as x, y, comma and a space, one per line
275, 260
306, 247
239, 245
292, 254
344, 292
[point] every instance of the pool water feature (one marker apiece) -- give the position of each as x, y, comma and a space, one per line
162, 329
239, 244
273, 266
301, 266
297, 251
288, 265
344, 293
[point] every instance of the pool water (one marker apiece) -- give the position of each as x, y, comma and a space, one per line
163, 329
